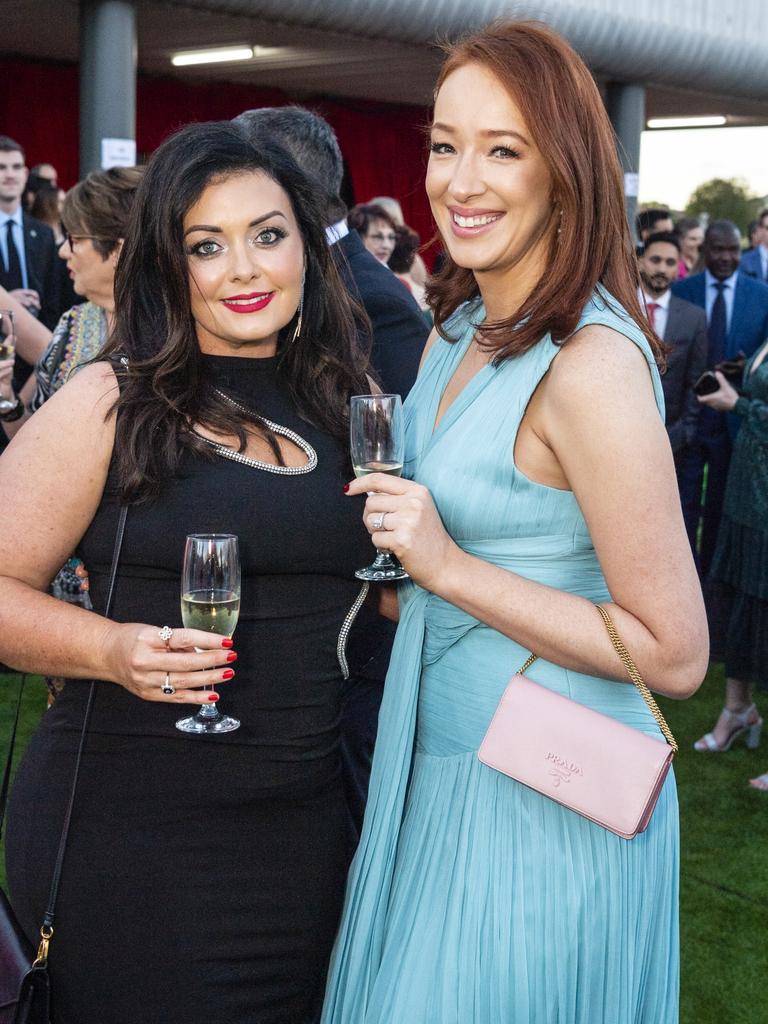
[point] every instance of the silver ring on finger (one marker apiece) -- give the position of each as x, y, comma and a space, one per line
168, 690
165, 635
378, 524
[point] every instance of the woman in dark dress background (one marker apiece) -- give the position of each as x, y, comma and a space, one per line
738, 584
204, 874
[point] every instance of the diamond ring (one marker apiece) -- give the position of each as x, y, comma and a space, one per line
168, 690
165, 635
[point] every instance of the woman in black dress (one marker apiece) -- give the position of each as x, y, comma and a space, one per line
204, 874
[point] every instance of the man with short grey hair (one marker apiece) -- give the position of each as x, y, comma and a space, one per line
399, 334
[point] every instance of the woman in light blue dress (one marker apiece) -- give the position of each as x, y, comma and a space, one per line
538, 481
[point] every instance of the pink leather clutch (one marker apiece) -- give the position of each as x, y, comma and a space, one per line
586, 761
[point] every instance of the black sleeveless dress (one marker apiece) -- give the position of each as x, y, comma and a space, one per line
204, 876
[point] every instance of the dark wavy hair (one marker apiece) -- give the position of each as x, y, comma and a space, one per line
164, 391
563, 111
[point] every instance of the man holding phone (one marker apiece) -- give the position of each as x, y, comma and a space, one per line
736, 307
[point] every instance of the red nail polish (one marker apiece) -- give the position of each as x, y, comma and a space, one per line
226, 642
213, 696
231, 656
346, 488
227, 673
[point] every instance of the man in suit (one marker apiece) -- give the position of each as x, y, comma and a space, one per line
683, 328
399, 334
737, 317
755, 262
27, 246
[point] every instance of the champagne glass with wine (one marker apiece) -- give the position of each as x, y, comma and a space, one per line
7, 351
210, 600
377, 444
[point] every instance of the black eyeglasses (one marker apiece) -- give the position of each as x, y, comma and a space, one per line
72, 240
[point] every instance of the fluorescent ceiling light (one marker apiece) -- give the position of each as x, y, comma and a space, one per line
221, 55
687, 122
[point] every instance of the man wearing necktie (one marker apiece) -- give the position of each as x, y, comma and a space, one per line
28, 261
683, 328
28, 254
737, 316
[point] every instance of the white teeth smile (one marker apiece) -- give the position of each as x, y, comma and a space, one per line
475, 222
245, 302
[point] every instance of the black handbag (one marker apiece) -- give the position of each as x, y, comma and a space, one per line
25, 985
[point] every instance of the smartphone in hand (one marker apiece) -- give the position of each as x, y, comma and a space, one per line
707, 384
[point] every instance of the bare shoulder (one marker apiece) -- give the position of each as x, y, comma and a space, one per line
599, 365
75, 419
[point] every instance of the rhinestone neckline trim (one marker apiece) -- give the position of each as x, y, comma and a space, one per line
276, 428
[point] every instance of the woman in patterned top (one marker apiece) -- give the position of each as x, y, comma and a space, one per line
95, 215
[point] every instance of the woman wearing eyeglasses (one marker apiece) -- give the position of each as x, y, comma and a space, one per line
376, 228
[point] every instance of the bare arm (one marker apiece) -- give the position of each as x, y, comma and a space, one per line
32, 337
598, 416
52, 476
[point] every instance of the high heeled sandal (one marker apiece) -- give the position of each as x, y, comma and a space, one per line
742, 727
761, 782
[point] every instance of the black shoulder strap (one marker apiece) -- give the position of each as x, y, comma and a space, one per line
50, 909
9, 760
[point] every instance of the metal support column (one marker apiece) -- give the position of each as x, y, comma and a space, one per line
625, 104
107, 80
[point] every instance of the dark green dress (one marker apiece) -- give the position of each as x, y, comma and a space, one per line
738, 586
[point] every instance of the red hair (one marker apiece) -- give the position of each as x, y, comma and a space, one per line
567, 120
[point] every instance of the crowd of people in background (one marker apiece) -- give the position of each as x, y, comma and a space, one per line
117, 279
708, 301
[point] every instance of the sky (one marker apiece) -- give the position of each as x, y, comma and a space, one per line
674, 163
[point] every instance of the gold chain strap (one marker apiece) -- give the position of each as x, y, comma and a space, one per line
636, 678
634, 675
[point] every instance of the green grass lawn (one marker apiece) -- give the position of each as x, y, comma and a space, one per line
724, 824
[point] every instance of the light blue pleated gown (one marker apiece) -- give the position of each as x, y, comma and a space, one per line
473, 899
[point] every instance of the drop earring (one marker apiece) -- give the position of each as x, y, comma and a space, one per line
297, 328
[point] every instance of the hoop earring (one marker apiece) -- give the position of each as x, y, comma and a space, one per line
297, 328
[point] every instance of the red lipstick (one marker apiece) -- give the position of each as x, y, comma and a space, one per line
248, 303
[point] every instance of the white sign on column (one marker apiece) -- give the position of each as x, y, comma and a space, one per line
118, 153
631, 184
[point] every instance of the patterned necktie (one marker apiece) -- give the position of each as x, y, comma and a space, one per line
718, 326
652, 307
13, 277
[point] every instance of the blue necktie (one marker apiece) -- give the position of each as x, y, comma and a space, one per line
718, 327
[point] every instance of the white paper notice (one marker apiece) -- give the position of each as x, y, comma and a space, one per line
631, 183
118, 153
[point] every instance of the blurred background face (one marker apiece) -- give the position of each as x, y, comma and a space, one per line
722, 253
246, 263
93, 275
380, 239
658, 267
690, 244
13, 176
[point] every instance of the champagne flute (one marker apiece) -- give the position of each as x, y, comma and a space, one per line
7, 351
377, 444
210, 600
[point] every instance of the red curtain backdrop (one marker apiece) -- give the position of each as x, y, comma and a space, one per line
383, 144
